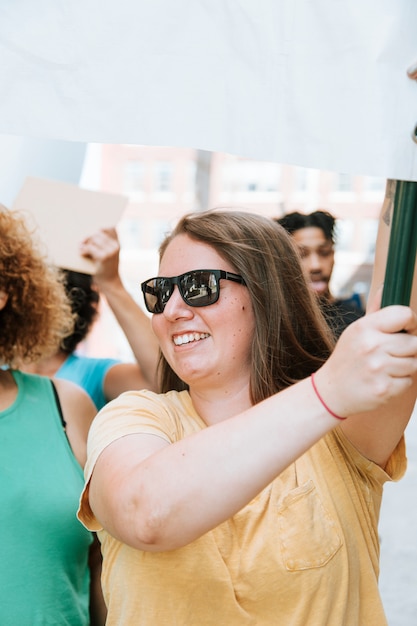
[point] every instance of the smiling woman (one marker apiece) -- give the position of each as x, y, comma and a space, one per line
243, 493
230, 301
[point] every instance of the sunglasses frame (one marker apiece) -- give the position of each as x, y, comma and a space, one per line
176, 280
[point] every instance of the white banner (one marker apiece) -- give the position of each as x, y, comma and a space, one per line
316, 83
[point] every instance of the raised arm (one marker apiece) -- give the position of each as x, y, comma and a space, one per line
103, 248
156, 496
377, 435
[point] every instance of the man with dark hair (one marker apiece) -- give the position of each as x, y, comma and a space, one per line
314, 234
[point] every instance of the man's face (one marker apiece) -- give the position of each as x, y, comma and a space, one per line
317, 257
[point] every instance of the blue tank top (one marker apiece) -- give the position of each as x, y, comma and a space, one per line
88, 373
44, 575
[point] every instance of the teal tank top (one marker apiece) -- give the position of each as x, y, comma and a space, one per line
44, 575
88, 373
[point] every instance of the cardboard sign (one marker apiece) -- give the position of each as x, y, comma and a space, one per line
64, 215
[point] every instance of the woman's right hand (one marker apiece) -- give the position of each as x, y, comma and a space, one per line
374, 361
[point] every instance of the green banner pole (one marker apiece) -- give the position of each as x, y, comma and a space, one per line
402, 245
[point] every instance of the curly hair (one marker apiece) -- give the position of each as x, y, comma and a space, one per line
37, 313
318, 219
84, 299
291, 338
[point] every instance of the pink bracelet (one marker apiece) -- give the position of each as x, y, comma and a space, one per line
322, 401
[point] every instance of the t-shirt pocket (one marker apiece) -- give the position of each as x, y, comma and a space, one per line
307, 534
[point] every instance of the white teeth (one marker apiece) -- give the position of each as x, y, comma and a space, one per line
189, 337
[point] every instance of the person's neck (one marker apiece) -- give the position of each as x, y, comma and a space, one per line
214, 406
47, 366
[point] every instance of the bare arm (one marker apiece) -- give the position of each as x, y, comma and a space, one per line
156, 496
103, 248
378, 434
78, 412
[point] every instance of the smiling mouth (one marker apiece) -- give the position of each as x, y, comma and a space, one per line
189, 338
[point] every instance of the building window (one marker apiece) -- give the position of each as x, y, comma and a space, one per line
134, 176
129, 233
371, 183
191, 172
250, 176
369, 233
301, 179
163, 175
160, 228
345, 230
343, 182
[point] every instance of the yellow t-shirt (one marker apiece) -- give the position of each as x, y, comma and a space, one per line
304, 552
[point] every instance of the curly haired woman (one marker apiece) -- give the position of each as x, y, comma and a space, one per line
46, 569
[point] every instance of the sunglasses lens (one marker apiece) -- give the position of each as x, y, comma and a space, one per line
157, 293
199, 288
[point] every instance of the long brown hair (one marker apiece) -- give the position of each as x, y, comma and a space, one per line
291, 338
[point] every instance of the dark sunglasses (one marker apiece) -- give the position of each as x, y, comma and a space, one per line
197, 288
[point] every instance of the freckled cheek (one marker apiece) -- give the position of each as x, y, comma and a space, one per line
242, 335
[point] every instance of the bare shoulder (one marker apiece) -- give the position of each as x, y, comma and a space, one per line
78, 411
